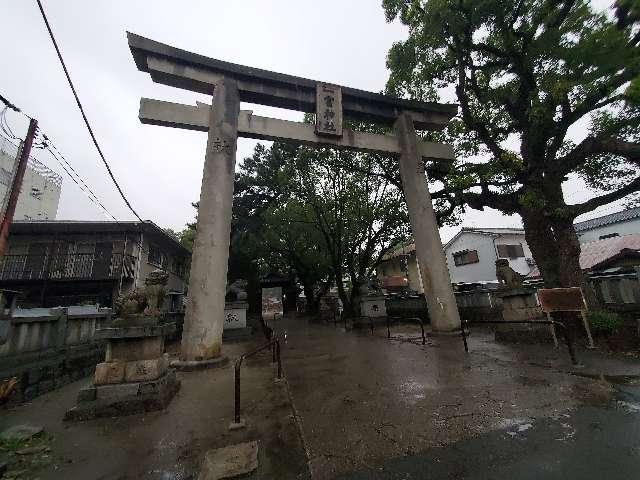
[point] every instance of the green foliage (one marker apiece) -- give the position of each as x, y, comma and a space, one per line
321, 215
604, 322
187, 236
525, 73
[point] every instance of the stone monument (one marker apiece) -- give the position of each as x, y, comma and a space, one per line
372, 300
518, 303
135, 376
235, 312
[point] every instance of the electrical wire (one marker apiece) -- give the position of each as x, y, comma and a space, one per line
49, 144
4, 124
84, 116
45, 144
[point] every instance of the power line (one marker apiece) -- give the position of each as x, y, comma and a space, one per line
4, 124
46, 144
84, 116
9, 104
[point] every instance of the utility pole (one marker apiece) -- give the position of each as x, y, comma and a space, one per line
16, 185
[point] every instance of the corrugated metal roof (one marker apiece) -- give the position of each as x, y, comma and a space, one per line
617, 217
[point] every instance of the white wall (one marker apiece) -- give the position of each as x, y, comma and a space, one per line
39, 195
621, 228
485, 245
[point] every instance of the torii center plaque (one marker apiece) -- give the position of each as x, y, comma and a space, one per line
328, 110
224, 122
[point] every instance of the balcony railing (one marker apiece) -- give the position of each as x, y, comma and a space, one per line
75, 266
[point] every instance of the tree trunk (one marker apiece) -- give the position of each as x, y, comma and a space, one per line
313, 301
555, 248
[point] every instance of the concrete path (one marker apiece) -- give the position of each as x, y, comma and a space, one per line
170, 444
368, 404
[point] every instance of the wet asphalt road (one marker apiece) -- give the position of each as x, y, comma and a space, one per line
373, 408
587, 443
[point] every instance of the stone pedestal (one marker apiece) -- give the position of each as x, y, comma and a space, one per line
519, 304
135, 376
373, 306
235, 321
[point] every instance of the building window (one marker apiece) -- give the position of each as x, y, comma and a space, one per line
180, 267
609, 235
510, 251
465, 257
156, 257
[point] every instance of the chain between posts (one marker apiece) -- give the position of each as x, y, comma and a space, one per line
563, 327
274, 345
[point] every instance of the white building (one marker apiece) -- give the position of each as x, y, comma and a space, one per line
616, 224
472, 253
40, 193
471, 257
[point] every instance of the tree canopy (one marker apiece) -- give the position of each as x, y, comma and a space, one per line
548, 89
325, 216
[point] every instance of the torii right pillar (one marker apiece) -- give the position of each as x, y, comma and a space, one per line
443, 310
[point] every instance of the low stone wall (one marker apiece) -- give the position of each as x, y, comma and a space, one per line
40, 372
407, 307
47, 348
479, 305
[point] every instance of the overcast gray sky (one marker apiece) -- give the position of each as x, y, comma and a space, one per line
160, 169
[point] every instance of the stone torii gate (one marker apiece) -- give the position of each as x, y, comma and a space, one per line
224, 121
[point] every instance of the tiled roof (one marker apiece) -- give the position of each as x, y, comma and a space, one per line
617, 217
594, 253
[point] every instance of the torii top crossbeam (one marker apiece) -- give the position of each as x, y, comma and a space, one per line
179, 68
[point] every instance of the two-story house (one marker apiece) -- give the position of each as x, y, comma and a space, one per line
471, 256
61, 263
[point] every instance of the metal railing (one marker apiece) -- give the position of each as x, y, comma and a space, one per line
73, 266
420, 320
274, 344
563, 328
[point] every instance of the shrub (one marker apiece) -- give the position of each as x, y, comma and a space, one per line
604, 322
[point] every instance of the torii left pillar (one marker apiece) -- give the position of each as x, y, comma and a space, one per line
204, 318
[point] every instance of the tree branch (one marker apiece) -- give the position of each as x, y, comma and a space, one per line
596, 202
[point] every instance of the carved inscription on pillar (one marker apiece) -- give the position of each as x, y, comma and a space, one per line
218, 145
328, 110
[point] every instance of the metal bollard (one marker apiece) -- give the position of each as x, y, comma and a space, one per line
279, 360
236, 414
464, 336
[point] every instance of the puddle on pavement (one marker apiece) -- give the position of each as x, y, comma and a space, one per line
412, 392
613, 379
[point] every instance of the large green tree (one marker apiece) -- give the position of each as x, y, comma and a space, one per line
329, 216
274, 228
548, 90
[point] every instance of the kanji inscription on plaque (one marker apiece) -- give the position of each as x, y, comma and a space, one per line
328, 110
